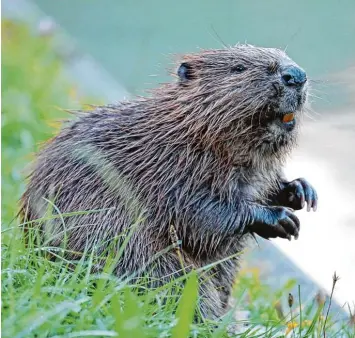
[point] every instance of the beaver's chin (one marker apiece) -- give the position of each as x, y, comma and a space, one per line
288, 109
281, 130
282, 121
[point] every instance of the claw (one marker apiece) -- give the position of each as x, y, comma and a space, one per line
300, 193
310, 195
314, 205
280, 222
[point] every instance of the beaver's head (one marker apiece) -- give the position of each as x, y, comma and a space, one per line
251, 97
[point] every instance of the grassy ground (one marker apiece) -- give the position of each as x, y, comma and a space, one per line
43, 298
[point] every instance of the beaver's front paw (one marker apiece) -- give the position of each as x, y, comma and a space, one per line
272, 222
296, 193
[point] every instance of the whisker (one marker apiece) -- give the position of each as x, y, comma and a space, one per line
319, 97
311, 111
318, 81
309, 116
219, 39
312, 89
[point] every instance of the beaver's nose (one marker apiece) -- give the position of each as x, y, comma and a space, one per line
293, 76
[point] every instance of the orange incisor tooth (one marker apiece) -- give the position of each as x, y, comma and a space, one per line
288, 117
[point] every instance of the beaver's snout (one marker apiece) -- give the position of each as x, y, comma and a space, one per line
293, 76
291, 91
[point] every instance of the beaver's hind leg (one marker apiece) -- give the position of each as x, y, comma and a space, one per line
169, 267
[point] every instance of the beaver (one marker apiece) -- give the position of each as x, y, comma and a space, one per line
199, 159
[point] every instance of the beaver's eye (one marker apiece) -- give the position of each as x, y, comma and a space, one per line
238, 69
185, 72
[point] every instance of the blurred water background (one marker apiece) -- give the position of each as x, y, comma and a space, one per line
126, 46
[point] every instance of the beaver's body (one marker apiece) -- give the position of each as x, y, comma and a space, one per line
202, 156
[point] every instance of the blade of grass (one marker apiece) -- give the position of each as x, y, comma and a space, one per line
186, 307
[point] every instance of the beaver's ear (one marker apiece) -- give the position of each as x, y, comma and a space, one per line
185, 72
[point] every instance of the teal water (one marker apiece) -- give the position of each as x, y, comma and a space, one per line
133, 40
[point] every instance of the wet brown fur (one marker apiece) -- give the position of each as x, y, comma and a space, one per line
186, 156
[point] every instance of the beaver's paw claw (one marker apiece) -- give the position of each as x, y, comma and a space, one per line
300, 192
277, 222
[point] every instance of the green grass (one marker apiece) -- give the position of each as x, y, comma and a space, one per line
60, 298
33, 87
